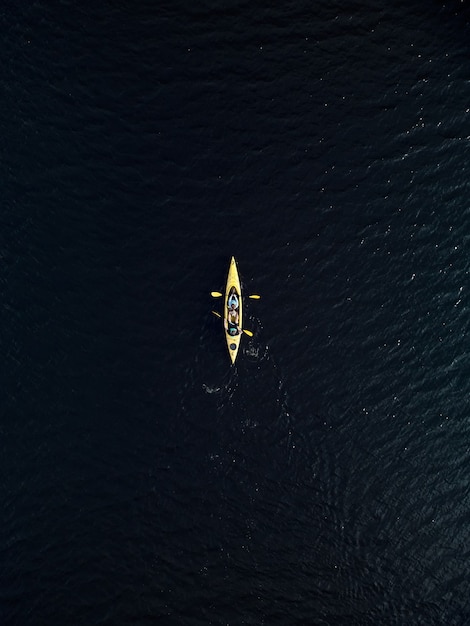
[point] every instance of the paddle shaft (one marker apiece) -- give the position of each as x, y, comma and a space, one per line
247, 332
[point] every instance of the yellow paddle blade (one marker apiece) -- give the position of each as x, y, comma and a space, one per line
255, 297
216, 314
216, 294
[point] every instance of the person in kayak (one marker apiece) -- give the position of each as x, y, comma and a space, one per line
233, 329
231, 321
232, 298
233, 314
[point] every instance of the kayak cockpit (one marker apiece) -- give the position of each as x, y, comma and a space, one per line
233, 314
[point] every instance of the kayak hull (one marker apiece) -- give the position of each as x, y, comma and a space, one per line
233, 285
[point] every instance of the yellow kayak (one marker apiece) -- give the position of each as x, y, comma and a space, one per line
233, 311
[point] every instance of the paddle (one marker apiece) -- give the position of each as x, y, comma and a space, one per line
217, 294
247, 332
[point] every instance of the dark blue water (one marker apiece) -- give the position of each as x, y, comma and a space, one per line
324, 479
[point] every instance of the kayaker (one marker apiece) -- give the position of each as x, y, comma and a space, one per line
232, 299
232, 328
233, 314
232, 320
